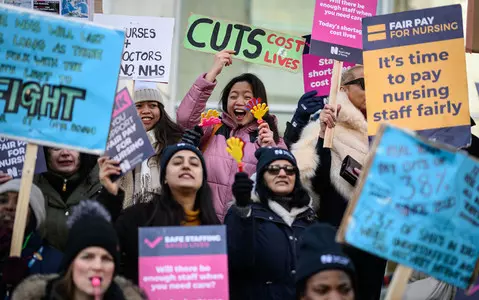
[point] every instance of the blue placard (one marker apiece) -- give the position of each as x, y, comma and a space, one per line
419, 206
58, 79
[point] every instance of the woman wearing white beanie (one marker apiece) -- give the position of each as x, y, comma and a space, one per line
162, 131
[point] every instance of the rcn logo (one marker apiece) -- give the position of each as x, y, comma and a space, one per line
334, 50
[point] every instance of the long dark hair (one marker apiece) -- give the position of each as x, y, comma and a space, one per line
168, 212
166, 131
259, 91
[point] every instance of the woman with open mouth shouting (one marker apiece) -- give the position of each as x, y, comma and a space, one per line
236, 121
89, 264
162, 131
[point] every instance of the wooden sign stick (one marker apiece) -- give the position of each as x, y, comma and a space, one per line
399, 282
333, 93
23, 200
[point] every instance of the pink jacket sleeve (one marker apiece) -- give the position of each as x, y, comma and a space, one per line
193, 104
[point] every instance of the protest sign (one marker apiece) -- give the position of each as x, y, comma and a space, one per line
147, 49
417, 204
20, 3
418, 67
337, 28
77, 8
317, 72
49, 75
184, 262
128, 141
51, 6
252, 44
472, 33
12, 157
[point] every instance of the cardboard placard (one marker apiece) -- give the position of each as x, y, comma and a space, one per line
184, 262
49, 79
337, 27
128, 141
417, 204
148, 43
252, 44
417, 66
12, 157
317, 73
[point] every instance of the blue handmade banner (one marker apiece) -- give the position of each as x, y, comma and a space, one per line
58, 79
418, 205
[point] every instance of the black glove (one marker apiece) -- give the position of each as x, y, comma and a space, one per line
242, 188
15, 269
308, 104
193, 136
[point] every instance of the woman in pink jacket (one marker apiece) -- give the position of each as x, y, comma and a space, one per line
236, 121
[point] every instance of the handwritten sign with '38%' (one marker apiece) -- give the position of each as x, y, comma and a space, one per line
418, 205
58, 79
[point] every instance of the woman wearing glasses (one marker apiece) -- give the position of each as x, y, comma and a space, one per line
320, 168
263, 230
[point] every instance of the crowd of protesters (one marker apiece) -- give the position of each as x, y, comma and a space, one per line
281, 212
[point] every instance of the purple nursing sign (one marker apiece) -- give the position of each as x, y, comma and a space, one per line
12, 156
128, 141
187, 262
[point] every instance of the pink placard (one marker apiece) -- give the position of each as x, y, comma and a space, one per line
317, 72
185, 277
339, 21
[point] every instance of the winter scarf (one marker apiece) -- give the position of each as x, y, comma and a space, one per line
350, 138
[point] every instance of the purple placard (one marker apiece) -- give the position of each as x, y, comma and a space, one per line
12, 155
337, 28
317, 72
187, 262
128, 141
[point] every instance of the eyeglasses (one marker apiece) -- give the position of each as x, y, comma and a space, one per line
275, 169
359, 81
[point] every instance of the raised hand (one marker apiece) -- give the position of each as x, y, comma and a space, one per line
109, 167
210, 118
222, 59
235, 149
242, 187
257, 108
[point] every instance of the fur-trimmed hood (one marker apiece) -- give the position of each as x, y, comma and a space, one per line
35, 288
350, 138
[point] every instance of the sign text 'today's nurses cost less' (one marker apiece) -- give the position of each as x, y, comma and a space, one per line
252, 44
417, 64
50, 68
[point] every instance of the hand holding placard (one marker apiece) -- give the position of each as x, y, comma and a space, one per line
235, 149
257, 108
210, 118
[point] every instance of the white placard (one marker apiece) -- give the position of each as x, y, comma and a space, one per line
147, 48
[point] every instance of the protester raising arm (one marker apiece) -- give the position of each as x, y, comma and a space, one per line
185, 201
320, 168
236, 121
308, 104
263, 230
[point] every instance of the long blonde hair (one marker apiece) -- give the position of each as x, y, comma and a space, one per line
348, 75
